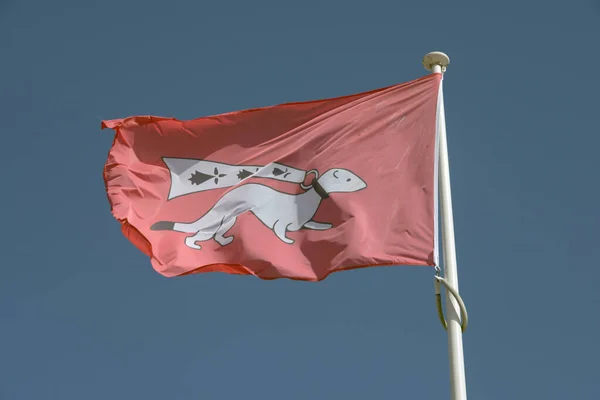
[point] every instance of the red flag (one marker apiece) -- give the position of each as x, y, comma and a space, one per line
295, 191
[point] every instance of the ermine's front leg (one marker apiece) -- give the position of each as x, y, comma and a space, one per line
280, 230
318, 226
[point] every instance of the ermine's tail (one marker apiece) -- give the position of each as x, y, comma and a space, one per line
173, 226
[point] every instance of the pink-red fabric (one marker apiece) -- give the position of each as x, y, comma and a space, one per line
387, 137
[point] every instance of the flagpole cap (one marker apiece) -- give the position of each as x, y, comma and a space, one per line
436, 58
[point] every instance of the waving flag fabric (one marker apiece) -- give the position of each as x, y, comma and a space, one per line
295, 191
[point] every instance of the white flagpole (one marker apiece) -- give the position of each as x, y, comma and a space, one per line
437, 63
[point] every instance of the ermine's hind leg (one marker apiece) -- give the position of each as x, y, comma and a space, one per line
280, 230
191, 242
220, 235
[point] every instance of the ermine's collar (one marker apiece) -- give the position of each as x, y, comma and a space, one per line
319, 189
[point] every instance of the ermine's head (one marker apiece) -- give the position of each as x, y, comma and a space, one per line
341, 181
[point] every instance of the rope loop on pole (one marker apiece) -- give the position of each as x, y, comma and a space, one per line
464, 318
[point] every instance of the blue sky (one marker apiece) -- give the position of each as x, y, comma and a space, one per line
84, 316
